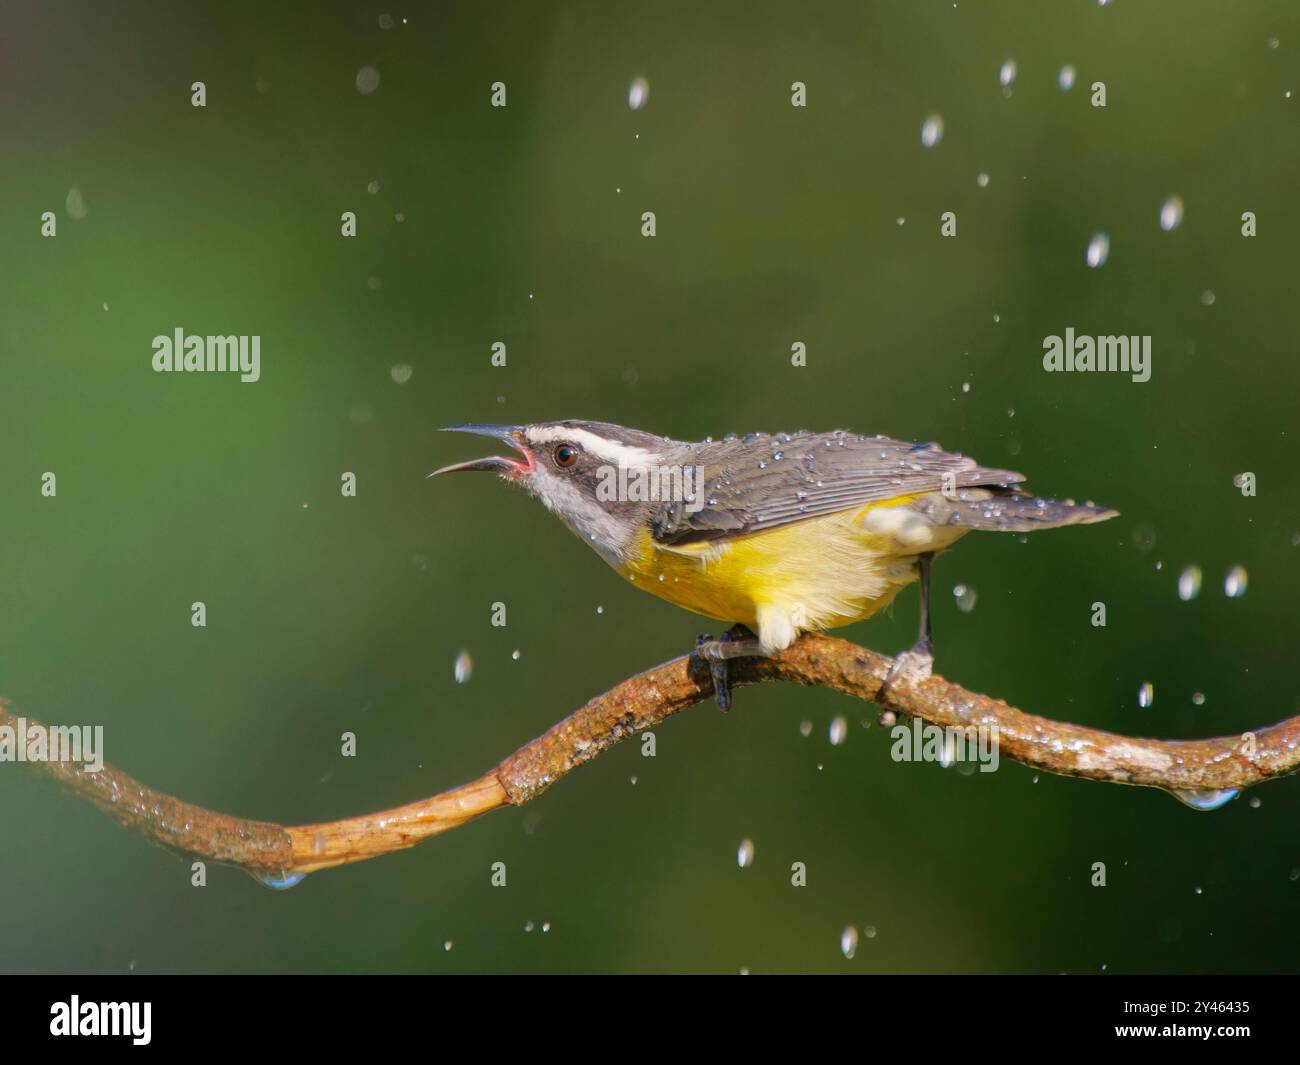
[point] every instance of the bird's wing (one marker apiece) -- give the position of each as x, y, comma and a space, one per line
763, 481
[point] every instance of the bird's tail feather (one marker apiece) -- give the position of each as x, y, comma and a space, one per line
977, 509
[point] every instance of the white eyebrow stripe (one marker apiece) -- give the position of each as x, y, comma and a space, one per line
608, 450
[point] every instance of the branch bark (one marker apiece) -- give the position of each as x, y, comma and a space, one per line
1201, 772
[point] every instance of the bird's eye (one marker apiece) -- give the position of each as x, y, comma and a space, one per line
566, 455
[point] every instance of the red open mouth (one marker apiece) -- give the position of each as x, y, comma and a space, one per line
507, 467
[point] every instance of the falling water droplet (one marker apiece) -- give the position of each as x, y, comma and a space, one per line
75, 205
1007, 72
1171, 214
464, 667
401, 373
1204, 798
982, 180
282, 881
1198, 698
1234, 584
367, 80
1098, 250
638, 93
1189, 583
965, 596
745, 853
839, 730
1065, 79
1146, 694
932, 131
805, 728
849, 942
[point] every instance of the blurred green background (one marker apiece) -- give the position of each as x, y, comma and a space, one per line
522, 225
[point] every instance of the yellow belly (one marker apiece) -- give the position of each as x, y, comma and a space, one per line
814, 574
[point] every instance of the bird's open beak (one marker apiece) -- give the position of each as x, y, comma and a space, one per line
511, 434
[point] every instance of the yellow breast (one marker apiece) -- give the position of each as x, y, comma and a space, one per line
819, 573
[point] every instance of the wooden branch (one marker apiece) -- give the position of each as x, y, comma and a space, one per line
1201, 772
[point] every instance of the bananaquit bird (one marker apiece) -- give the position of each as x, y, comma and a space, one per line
783, 533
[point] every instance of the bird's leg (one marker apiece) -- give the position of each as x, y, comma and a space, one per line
918, 662
737, 642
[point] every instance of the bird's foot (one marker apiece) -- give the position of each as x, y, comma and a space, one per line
737, 642
913, 665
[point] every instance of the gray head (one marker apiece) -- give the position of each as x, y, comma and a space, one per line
577, 468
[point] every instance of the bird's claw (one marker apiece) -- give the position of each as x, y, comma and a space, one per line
707, 650
912, 666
